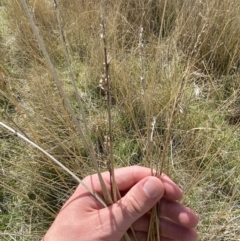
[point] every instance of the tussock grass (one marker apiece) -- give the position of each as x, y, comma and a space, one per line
191, 70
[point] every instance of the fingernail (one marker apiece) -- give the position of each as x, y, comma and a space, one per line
152, 188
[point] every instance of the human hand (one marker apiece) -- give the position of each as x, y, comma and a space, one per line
83, 218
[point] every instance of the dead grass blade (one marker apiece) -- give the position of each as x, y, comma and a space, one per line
86, 143
55, 161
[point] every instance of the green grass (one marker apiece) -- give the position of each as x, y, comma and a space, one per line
196, 47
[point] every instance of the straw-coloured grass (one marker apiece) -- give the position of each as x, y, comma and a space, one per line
174, 92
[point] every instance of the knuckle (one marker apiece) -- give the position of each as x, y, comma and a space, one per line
134, 206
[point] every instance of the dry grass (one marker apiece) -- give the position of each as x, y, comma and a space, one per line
191, 69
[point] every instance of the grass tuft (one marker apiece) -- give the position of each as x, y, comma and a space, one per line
190, 67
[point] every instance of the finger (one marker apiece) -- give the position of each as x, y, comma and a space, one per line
178, 213
126, 177
173, 230
142, 236
168, 229
139, 200
172, 191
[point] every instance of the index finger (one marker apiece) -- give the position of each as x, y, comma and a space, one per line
127, 177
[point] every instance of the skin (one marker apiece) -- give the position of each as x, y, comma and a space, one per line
83, 218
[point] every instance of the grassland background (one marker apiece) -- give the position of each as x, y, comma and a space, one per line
191, 68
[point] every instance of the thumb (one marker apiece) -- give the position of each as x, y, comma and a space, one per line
138, 201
